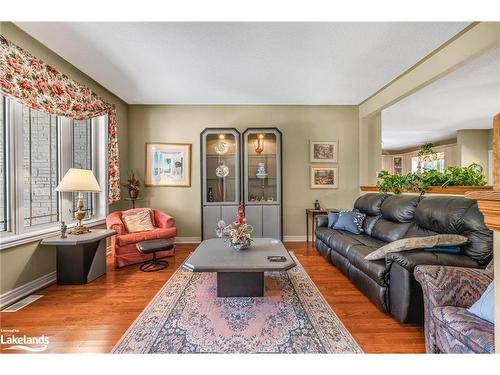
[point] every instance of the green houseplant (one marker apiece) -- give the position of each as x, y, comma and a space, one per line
420, 182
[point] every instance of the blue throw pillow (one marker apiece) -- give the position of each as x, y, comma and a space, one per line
350, 221
444, 249
484, 307
332, 219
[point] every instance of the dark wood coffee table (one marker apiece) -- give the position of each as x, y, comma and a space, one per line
239, 273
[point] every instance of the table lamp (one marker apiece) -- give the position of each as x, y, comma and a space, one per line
79, 180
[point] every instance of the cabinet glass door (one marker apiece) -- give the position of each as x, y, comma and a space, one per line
262, 166
221, 166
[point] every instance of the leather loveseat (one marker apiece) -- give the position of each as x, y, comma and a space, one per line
390, 283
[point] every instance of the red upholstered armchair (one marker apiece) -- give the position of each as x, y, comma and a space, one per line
123, 244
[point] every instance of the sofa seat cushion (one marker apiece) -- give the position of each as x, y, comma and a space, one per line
459, 324
132, 238
375, 269
341, 241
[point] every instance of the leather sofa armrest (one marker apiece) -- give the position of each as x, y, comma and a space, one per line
114, 221
410, 259
451, 286
162, 220
321, 221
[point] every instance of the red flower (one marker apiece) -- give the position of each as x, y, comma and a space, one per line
63, 107
26, 84
42, 84
77, 107
5, 84
70, 92
52, 70
14, 64
88, 106
33, 105
57, 89
35, 64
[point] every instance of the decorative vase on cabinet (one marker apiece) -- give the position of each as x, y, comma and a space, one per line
220, 178
262, 185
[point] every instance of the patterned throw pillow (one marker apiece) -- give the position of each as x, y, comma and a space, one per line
139, 221
332, 218
414, 243
350, 221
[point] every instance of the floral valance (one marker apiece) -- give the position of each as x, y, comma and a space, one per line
29, 80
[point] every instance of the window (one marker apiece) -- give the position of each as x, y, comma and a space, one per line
36, 150
82, 157
428, 165
40, 167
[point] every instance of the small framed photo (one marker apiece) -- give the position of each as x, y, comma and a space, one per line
324, 178
323, 152
168, 164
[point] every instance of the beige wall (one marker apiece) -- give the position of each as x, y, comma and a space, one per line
299, 124
370, 149
21, 264
473, 146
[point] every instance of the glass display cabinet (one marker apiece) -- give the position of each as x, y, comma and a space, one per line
262, 186
220, 177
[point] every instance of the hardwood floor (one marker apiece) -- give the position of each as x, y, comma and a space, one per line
92, 317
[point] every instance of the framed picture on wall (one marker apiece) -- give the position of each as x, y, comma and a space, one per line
168, 164
324, 178
323, 152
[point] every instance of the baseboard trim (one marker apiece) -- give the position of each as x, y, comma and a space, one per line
299, 238
22, 291
187, 239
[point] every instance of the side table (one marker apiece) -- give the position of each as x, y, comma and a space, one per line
80, 258
312, 213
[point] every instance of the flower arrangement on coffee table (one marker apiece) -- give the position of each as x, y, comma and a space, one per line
239, 234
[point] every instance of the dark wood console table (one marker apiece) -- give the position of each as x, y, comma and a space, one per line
312, 213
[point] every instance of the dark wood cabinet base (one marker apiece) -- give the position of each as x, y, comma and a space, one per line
240, 284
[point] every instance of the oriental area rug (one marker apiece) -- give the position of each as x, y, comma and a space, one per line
186, 316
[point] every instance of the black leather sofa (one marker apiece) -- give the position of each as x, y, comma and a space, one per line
389, 283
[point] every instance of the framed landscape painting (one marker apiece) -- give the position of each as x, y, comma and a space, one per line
324, 178
323, 152
168, 164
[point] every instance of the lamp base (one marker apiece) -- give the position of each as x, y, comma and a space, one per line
79, 229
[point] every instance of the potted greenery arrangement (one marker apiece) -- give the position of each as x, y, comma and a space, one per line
420, 182
133, 185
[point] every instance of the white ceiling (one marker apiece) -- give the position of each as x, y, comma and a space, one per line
242, 63
467, 98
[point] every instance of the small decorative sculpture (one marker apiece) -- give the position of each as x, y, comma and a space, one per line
317, 206
64, 228
222, 170
261, 171
210, 195
222, 229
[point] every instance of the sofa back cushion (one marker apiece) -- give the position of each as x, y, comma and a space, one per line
369, 204
455, 215
397, 214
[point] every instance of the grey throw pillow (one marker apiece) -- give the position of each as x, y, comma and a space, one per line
417, 243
